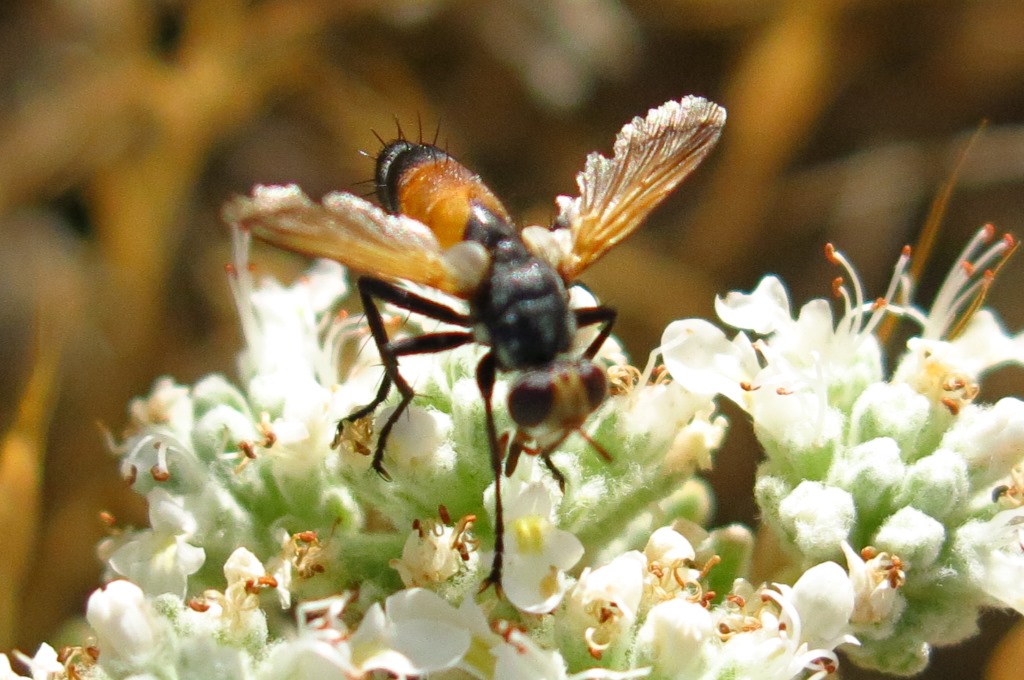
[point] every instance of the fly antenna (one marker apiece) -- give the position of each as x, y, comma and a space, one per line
601, 451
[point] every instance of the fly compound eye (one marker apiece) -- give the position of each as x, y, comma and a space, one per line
595, 382
531, 399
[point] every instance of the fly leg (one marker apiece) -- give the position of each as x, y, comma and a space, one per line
485, 376
370, 292
520, 444
589, 316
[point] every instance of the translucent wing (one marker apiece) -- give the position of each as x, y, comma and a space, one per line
652, 155
348, 229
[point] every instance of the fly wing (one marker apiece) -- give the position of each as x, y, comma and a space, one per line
348, 229
652, 155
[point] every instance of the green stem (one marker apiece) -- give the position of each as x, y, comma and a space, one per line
613, 517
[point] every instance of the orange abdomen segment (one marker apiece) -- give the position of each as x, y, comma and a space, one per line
425, 183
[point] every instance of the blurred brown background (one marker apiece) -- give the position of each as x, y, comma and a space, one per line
124, 124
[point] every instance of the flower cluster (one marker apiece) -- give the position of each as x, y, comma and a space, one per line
274, 551
908, 469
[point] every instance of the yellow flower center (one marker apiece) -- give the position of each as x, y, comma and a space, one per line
530, 533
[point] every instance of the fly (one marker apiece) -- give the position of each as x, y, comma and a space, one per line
442, 227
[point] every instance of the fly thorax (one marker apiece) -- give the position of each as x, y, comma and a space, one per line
526, 311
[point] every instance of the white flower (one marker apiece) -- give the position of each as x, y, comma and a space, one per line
419, 439
824, 598
308, 658
876, 583
681, 427
788, 396
799, 367
300, 557
44, 665
669, 565
304, 431
245, 577
673, 636
435, 551
763, 311
818, 518
996, 547
989, 438
812, 346
782, 632
161, 559
946, 361
521, 657
537, 552
701, 358
281, 325
947, 372
159, 448
414, 633
604, 602
321, 648
167, 406
6, 672
128, 630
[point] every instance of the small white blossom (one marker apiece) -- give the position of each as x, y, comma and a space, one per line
787, 397
701, 358
876, 583
436, 551
947, 369
997, 549
781, 632
6, 672
674, 635
669, 565
521, 657
912, 535
304, 431
603, 604
300, 557
824, 598
419, 440
44, 665
158, 449
308, 658
161, 559
818, 518
280, 324
537, 552
414, 633
682, 426
168, 406
245, 577
128, 630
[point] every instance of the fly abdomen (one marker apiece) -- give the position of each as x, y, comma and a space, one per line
424, 182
